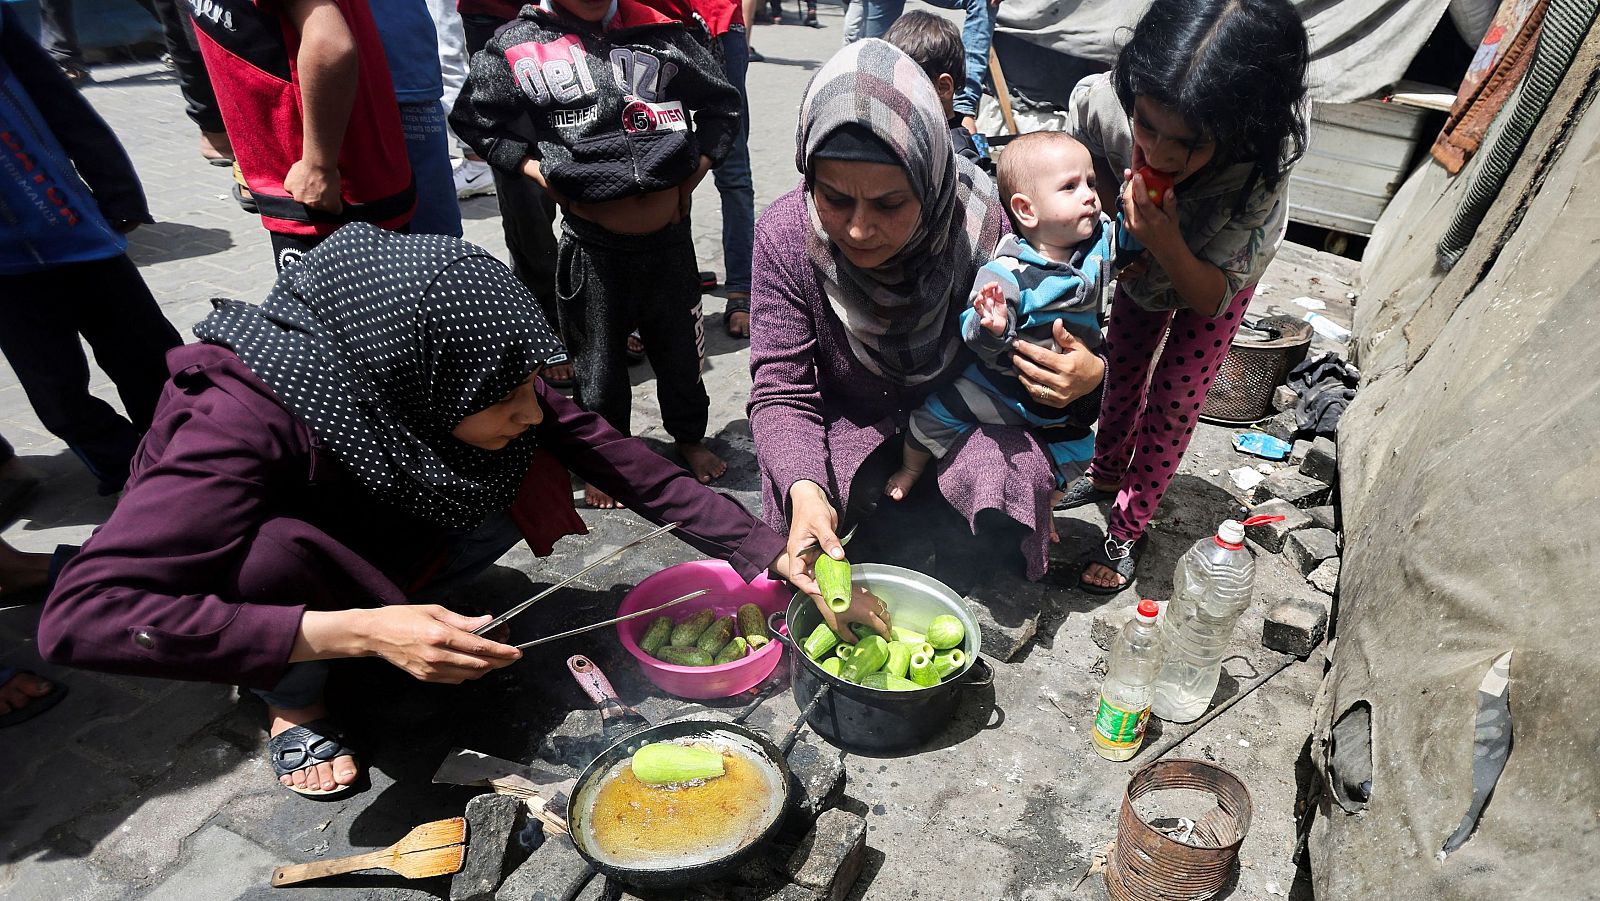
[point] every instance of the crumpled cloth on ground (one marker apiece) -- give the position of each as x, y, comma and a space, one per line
1325, 385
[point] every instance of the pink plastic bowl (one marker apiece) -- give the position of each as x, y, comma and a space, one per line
727, 594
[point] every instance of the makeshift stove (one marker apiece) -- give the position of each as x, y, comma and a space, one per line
517, 850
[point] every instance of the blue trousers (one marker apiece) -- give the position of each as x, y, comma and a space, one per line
977, 33
733, 179
428, 149
106, 303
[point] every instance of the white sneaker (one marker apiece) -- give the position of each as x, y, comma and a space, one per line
472, 178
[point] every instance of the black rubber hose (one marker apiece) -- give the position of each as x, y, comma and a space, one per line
1565, 24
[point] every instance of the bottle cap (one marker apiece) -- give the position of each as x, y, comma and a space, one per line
1231, 534
1147, 611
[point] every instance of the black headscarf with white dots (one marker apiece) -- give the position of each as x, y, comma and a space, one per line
382, 343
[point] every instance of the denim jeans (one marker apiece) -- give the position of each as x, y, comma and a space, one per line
733, 179
302, 683
977, 33
428, 148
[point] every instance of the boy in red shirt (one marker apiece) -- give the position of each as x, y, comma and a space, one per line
305, 93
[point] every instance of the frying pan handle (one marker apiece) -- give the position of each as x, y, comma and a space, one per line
593, 682
979, 675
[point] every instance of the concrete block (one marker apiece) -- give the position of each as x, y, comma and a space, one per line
1325, 517
1325, 578
1295, 626
598, 889
1281, 426
1307, 548
1107, 622
1298, 451
1284, 398
1299, 490
818, 774
555, 872
1006, 620
1272, 535
491, 821
1322, 461
829, 859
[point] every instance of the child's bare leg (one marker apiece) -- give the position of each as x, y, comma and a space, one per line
1055, 497
912, 463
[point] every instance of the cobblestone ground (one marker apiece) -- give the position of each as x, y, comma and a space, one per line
142, 788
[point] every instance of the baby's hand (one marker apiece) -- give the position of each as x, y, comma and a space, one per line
990, 305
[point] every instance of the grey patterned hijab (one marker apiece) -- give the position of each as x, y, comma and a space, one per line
901, 317
382, 343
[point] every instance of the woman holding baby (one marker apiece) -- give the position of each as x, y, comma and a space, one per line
861, 274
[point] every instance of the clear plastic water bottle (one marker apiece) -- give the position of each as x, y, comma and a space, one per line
1209, 590
1125, 697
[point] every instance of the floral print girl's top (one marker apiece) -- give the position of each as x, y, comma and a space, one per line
1239, 240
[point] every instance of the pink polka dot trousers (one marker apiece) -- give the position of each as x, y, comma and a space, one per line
1149, 412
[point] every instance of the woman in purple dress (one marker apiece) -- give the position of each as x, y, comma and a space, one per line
375, 431
860, 276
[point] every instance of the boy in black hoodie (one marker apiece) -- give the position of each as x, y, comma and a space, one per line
592, 99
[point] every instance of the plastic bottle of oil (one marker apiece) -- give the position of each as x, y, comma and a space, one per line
1130, 682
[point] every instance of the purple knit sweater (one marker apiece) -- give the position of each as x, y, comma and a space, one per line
817, 412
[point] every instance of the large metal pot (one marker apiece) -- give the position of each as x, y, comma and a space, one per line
868, 719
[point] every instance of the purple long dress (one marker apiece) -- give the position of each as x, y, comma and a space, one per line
817, 413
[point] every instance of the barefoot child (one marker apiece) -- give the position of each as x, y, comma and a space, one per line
1057, 269
592, 99
1205, 96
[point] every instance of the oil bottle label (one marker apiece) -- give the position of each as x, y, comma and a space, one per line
1118, 727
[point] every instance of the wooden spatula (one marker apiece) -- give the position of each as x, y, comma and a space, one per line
432, 849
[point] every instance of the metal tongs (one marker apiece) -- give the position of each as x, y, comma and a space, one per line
505, 617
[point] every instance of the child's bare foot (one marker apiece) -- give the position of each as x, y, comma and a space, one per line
1055, 498
598, 499
705, 465
901, 482
560, 372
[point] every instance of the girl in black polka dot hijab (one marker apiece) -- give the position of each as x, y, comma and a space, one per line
383, 343
238, 554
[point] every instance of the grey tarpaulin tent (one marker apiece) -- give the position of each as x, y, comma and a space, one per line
1470, 471
1358, 47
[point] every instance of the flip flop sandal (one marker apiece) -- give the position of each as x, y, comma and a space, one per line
1121, 557
305, 746
634, 356
557, 360
1082, 491
35, 706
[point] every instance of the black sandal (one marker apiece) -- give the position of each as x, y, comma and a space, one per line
35, 706
1121, 557
302, 747
1082, 491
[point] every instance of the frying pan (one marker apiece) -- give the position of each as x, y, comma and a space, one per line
618, 718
